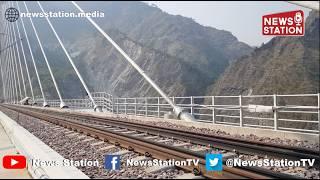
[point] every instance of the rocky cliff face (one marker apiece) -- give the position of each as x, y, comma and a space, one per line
285, 65
107, 70
182, 56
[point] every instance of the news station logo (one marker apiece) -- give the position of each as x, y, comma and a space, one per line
14, 162
214, 162
284, 24
112, 162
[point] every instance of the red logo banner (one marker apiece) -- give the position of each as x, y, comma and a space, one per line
284, 24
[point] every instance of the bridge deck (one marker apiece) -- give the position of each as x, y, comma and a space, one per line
14, 138
233, 130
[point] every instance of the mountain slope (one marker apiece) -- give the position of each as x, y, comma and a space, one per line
204, 52
182, 56
107, 70
285, 65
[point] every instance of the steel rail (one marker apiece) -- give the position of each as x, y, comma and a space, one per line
148, 147
229, 143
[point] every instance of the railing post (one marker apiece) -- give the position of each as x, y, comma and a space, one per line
112, 103
275, 112
106, 101
87, 103
117, 105
240, 110
125, 105
135, 106
158, 106
319, 111
109, 101
191, 105
146, 104
102, 101
173, 100
213, 111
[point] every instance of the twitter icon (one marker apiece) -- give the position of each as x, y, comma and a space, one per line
214, 162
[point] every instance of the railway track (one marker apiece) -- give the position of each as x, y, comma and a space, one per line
227, 143
114, 131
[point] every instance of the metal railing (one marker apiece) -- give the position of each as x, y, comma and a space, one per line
296, 112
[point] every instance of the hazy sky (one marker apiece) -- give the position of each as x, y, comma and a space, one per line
242, 19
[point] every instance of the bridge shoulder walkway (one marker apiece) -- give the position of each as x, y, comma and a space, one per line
15, 139
232, 130
8, 148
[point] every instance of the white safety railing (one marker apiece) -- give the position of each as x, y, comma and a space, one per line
104, 100
277, 112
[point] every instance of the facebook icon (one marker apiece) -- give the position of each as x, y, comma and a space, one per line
112, 162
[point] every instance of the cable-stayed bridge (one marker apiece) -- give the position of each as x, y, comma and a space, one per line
245, 113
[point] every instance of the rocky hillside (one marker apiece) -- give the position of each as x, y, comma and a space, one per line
182, 56
178, 53
107, 70
285, 65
